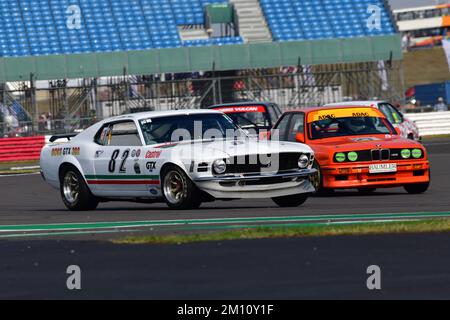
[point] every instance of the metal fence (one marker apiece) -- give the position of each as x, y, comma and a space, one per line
58, 106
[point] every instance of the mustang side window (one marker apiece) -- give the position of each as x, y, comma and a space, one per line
101, 137
119, 134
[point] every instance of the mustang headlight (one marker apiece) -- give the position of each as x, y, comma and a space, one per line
219, 166
303, 161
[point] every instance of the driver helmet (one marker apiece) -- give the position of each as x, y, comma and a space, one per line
356, 124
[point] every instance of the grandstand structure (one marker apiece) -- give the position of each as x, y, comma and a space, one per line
425, 25
76, 59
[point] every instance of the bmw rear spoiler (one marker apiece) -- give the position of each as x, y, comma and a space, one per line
62, 136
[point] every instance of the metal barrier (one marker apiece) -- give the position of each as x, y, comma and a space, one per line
431, 124
29, 148
21, 149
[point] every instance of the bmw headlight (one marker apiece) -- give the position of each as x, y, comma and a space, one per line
417, 153
303, 161
219, 166
406, 153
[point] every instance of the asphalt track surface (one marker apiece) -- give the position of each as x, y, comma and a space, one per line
34, 266
27, 200
412, 267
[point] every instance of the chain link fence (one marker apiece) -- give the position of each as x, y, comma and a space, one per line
62, 106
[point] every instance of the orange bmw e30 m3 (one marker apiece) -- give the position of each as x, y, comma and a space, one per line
356, 148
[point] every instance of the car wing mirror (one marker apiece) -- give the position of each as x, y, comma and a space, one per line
398, 131
300, 137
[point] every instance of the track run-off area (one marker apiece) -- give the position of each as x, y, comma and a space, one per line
30, 208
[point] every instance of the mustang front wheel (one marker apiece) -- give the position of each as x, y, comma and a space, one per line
75, 192
291, 201
179, 191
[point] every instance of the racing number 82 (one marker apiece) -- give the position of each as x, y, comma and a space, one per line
114, 156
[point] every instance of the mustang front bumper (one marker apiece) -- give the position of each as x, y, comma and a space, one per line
257, 186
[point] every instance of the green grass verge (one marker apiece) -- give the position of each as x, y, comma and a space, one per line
425, 66
268, 232
436, 137
5, 167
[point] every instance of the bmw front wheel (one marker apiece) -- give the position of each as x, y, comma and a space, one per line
417, 188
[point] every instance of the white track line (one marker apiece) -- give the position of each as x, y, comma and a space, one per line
25, 168
18, 174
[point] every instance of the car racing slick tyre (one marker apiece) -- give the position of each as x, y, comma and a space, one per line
417, 188
74, 191
295, 200
178, 190
317, 182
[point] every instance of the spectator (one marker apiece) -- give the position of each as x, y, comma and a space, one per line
59, 121
41, 122
9, 122
405, 42
441, 105
49, 120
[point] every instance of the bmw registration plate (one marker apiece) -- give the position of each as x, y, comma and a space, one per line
383, 168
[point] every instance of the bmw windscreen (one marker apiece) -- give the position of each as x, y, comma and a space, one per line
340, 123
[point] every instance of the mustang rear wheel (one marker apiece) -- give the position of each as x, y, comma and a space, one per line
75, 192
179, 191
417, 188
291, 201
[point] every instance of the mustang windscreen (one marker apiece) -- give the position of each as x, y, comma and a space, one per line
350, 126
188, 127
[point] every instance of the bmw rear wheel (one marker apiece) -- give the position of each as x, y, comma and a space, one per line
179, 191
75, 193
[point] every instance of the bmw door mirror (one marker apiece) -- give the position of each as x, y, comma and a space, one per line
300, 137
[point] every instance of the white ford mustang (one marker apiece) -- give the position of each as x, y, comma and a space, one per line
181, 157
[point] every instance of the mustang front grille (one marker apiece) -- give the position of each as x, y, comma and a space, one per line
271, 162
